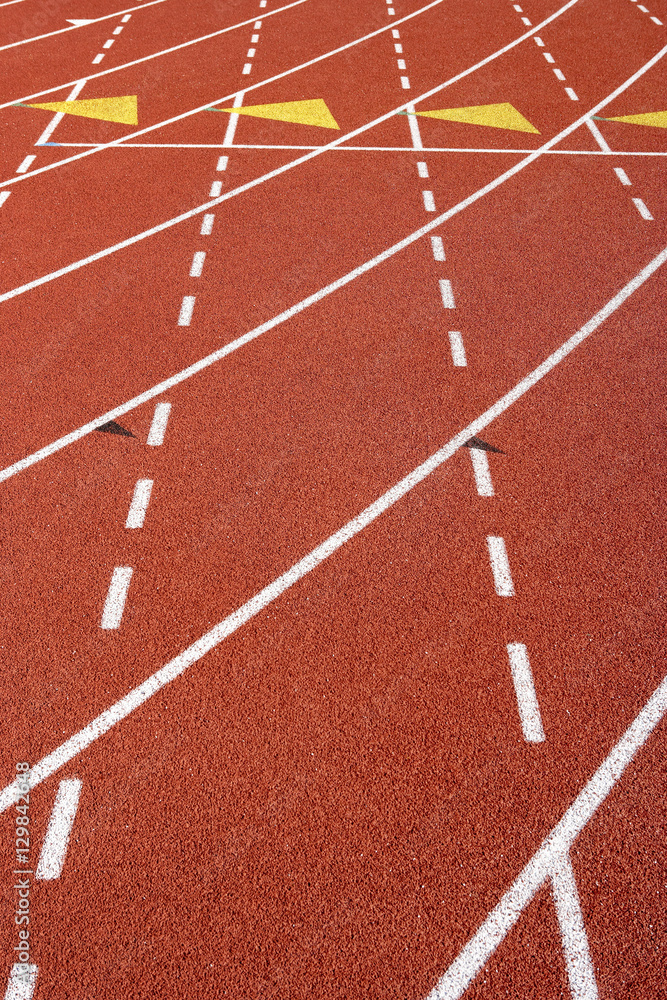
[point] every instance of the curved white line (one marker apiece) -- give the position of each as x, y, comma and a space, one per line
77, 27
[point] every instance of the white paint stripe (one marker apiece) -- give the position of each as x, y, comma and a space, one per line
573, 931
4, 195
20, 986
642, 209
559, 74
98, 58
622, 176
251, 53
457, 348
395, 33
109, 718
74, 27
140, 499
25, 164
500, 566
246, 69
216, 186
207, 224
159, 424
398, 48
58, 117
413, 123
429, 201
447, 293
549, 58
405, 83
526, 22
524, 687
117, 31
54, 848
571, 94
126, 18
116, 596
185, 315
109, 42
369, 149
257, 25
422, 169
233, 120
538, 41
480, 466
401, 63
476, 953
598, 136
656, 20
438, 248
197, 264
222, 162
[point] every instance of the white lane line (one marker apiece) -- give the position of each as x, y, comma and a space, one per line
526, 22
559, 74
571, 94
185, 315
573, 931
207, 224
58, 117
25, 164
54, 848
159, 424
458, 350
642, 209
398, 48
197, 264
401, 63
126, 18
500, 566
405, 83
391, 11
74, 27
395, 32
116, 597
524, 687
4, 195
140, 500
549, 58
117, 31
479, 949
598, 136
109, 42
447, 293
258, 24
233, 120
254, 39
251, 53
375, 149
622, 176
98, 58
518, 9
222, 162
262, 3
216, 186
413, 123
642, 8
437, 248
246, 69
429, 201
538, 41
77, 743
22, 980
480, 467
656, 20
422, 169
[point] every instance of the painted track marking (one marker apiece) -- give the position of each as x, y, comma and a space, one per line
500, 566
77, 27
457, 348
447, 293
140, 500
19, 987
481, 471
187, 307
116, 596
524, 688
573, 931
159, 425
642, 209
54, 848
438, 248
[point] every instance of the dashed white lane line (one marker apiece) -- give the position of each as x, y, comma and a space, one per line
58, 117
391, 11
109, 42
405, 83
642, 209
21, 986
233, 120
622, 176
598, 136
54, 848
207, 224
246, 69
187, 306
116, 597
254, 39
571, 94
98, 58
197, 264
4, 195
422, 169
573, 931
398, 48
413, 122
158, 424
429, 201
216, 188
117, 31
559, 74
401, 63
480, 467
447, 293
549, 58
437, 248
524, 687
222, 163
538, 41
528, 23
140, 500
656, 20
25, 164
458, 350
500, 566
125, 19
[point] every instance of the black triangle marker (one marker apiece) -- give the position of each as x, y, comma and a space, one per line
113, 428
475, 442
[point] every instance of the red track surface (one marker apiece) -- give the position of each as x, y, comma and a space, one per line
332, 800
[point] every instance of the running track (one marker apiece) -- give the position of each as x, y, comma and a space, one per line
333, 510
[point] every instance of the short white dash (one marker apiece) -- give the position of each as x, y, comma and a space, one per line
528, 23
137, 512
391, 11
395, 33
115, 602
109, 42
254, 39
405, 83
185, 315
429, 201
257, 25
422, 169
518, 9
642, 8
559, 74
438, 248
500, 567
98, 58
262, 3
580, 971
25, 164
642, 209
480, 466
447, 294
216, 189
571, 94
549, 58
158, 424
538, 41
117, 31
197, 264
398, 48
622, 176
54, 848
656, 20
4, 196
401, 64
20, 986
529, 709
207, 224
125, 19
251, 53
247, 68
222, 163
458, 350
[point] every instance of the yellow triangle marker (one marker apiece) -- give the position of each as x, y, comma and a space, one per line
107, 109
494, 115
298, 112
658, 119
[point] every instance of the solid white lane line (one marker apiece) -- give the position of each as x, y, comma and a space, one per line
500, 566
25, 164
116, 597
74, 27
642, 209
4, 195
571, 94
480, 467
98, 58
622, 176
429, 201
524, 687
479, 949
109, 42
573, 931
413, 123
233, 120
447, 293
207, 224
549, 58
77, 743
54, 848
197, 264
458, 350
159, 424
58, 117
437, 248
598, 136
20, 986
222, 163
422, 169
216, 189
187, 306
140, 500
559, 74
405, 83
